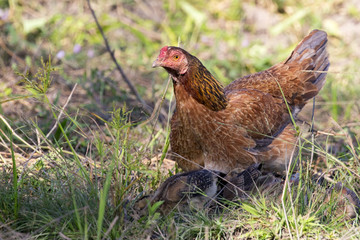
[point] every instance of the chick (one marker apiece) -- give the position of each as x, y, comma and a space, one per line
190, 189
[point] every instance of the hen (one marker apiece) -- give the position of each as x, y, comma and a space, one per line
248, 121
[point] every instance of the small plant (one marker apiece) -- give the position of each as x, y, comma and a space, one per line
39, 84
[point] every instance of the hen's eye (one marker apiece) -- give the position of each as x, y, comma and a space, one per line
176, 57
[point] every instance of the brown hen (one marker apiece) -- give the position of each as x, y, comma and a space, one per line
248, 121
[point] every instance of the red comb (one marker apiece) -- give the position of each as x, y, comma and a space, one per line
163, 51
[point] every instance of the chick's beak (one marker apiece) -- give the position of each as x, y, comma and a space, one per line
157, 63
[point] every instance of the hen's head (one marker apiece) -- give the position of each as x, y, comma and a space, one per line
173, 59
186, 70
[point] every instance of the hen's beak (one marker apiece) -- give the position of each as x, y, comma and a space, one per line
156, 63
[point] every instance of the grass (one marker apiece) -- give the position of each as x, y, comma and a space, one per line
75, 158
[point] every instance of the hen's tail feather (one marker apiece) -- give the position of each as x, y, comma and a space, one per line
316, 40
311, 54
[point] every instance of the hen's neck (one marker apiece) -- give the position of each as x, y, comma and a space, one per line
203, 87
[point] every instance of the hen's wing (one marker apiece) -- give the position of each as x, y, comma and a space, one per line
259, 97
301, 76
261, 115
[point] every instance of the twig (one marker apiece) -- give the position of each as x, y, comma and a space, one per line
63, 236
61, 112
158, 105
146, 107
112, 224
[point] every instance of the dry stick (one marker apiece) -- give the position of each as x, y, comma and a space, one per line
160, 232
63, 236
62, 111
158, 105
112, 224
146, 107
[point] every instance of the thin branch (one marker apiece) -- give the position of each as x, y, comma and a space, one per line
112, 224
157, 108
146, 107
61, 112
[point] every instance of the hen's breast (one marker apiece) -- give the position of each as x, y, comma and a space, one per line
207, 138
